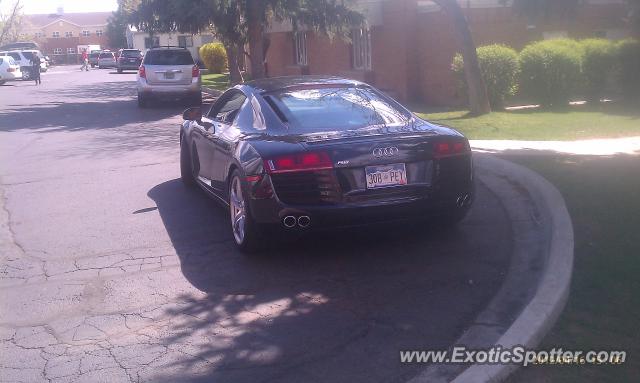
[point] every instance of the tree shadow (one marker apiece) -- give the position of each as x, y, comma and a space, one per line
334, 306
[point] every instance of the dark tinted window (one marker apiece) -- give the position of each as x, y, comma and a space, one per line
28, 55
106, 55
15, 56
168, 57
228, 110
94, 55
335, 109
134, 53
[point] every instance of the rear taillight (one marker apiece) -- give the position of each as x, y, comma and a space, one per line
141, 72
446, 148
298, 162
11, 69
195, 71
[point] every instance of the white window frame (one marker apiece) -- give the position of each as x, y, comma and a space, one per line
300, 48
361, 48
71, 51
55, 34
86, 33
39, 35
99, 32
57, 51
68, 34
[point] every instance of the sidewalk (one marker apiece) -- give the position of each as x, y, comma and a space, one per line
595, 147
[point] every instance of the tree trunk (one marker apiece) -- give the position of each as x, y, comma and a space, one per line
232, 58
476, 88
255, 14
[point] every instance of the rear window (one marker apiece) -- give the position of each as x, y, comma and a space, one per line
131, 54
15, 56
28, 55
94, 55
168, 57
335, 109
106, 55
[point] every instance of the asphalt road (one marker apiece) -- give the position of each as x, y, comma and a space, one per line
110, 270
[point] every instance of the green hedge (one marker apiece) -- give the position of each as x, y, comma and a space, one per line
628, 59
214, 57
499, 66
551, 71
598, 65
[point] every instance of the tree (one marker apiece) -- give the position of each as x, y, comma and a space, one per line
10, 24
476, 88
235, 22
116, 29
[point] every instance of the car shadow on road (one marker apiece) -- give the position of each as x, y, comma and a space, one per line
336, 306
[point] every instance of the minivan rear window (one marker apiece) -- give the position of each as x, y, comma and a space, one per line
130, 53
168, 57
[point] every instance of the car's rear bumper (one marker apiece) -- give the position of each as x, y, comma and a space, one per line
169, 90
11, 76
272, 211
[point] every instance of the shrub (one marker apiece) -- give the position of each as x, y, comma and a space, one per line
628, 58
598, 63
550, 71
214, 57
499, 66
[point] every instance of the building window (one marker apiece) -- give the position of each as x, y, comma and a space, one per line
71, 51
68, 34
150, 42
57, 51
85, 33
361, 42
99, 32
300, 48
185, 41
55, 34
39, 35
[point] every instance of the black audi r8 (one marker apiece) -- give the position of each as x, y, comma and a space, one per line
301, 153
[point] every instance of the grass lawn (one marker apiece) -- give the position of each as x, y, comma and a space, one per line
218, 81
571, 123
603, 311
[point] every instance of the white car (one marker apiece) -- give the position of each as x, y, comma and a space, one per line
9, 70
106, 59
168, 73
23, 58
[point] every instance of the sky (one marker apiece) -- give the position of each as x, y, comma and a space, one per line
69, 6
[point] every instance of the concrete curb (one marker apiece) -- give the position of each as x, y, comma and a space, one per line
537, 283
548, 302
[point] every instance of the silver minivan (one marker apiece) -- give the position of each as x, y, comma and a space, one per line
168, 73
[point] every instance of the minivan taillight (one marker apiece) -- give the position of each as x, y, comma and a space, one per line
195, 71
141, 72
298, 162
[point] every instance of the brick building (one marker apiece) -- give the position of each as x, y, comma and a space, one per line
61, 35
408, 45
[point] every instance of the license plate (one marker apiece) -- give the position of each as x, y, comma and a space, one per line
168, 75
385, 175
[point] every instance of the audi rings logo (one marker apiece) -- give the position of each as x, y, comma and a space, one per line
385, 152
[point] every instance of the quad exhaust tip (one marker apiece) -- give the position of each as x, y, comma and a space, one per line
304, 221
289, 221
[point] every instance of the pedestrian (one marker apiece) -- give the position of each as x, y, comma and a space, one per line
85, 61
35, 68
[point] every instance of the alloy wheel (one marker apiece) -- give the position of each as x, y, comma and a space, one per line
237, 210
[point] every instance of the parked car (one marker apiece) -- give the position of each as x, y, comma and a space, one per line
302, 153
168, 72
23, 58
106, 59
93, 58
128, 59
9, 70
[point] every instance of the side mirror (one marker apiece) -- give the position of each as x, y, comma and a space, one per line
192, 114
